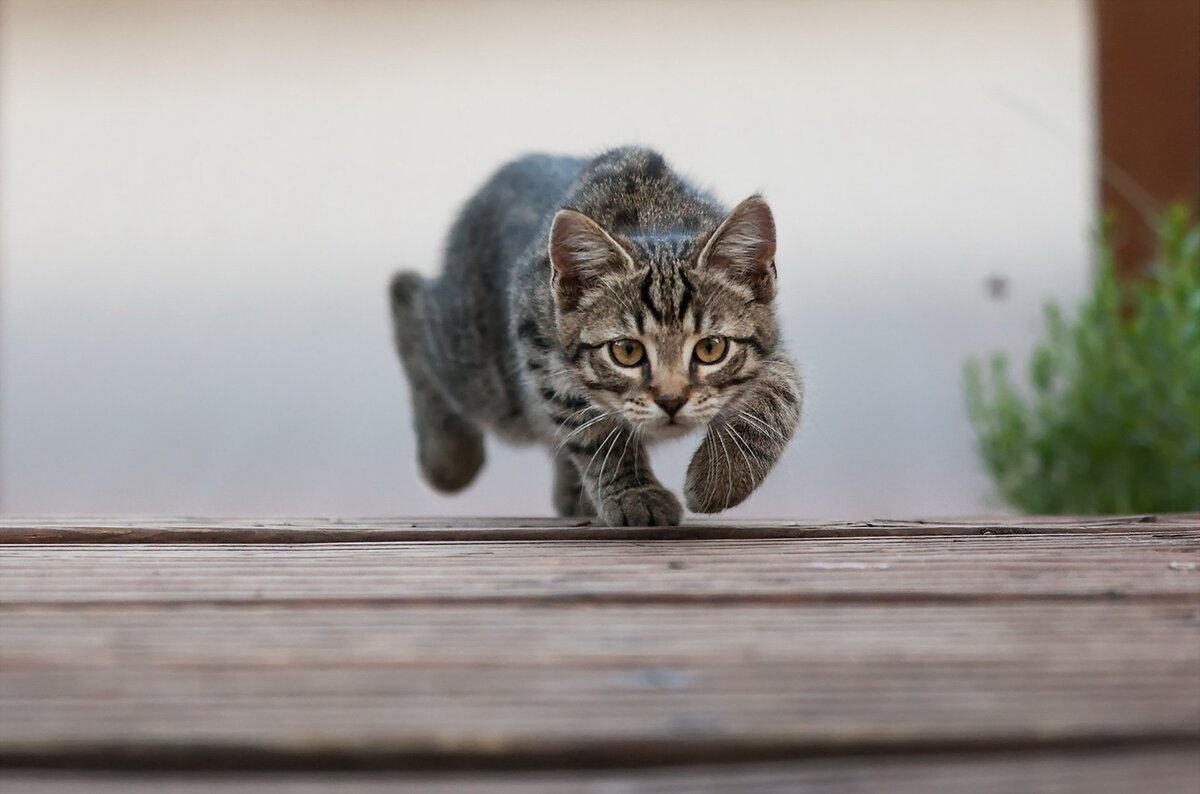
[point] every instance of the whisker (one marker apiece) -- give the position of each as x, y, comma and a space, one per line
755, 471
597, 452
628, 437
637, 472
579, 429
728, 465
709, 481
604, 464
561, 424
762, 426
593, 460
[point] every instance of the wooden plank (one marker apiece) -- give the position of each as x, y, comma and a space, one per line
176, 530
998, 567
1170, 771
1031, 638
520, 686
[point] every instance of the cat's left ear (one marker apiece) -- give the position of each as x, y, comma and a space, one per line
743, 246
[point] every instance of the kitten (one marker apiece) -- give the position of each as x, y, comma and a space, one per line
595, 306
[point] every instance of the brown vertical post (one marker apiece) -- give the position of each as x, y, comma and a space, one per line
3, 17
1148, 86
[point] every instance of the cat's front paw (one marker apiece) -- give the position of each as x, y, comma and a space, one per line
717, 478
649, 505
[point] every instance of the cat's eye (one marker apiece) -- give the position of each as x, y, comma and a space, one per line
627, 352
711, 349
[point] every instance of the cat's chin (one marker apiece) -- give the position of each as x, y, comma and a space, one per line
668, 431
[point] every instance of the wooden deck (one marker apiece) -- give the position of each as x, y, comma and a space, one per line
1040, 655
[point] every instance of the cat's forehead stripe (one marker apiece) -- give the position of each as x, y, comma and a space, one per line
648, 296
685, 298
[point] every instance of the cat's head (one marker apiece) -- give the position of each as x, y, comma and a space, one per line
666, 329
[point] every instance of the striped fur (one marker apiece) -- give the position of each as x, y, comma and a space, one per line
554, 259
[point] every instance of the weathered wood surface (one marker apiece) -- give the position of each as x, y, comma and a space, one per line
652, 681
1033, 655
1110, 564
193, 530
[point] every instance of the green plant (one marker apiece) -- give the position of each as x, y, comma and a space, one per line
1110, 422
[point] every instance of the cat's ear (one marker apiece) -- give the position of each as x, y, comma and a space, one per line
743, 246
581, 253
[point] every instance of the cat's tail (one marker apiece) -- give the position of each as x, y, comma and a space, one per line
449, 446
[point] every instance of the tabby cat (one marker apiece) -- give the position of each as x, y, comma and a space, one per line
595, 306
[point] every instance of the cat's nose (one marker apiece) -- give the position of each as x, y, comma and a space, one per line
671, 403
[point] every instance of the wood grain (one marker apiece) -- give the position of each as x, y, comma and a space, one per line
552, 682
932, 655
1106, 565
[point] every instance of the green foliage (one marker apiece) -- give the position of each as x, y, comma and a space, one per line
1111, 420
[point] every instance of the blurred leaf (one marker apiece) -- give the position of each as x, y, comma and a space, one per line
1112, 423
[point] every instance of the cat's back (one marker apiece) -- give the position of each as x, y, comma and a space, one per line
465, 310
501, 221
633, 190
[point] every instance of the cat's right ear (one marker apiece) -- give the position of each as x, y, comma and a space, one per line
581, 254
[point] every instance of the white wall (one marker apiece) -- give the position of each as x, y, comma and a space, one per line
200, 203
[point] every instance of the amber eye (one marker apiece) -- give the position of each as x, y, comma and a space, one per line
711, 349
627, 352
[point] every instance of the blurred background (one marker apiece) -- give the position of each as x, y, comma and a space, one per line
201, 203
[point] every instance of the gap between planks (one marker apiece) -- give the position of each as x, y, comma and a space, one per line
184, 530
1168, 771
590, 755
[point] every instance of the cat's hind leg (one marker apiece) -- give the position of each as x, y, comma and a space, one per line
449, 446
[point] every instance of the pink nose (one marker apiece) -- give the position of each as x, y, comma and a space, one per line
671, 403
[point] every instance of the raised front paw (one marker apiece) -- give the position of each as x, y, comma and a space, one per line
719, 477
649, 505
